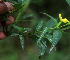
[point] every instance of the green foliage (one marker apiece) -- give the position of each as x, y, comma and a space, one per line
25, 16
22, 40
50, 24
49, 37
22, 10
17, 5
56, 36
42, 34
68, 1
19, 29
45, 32
55, 21
39, 25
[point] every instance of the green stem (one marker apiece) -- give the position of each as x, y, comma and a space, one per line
58, 24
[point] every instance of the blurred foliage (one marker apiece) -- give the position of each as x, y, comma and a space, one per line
10, 48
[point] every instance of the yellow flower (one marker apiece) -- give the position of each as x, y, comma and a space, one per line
63, 20
59, 15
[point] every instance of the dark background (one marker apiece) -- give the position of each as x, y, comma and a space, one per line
11, 49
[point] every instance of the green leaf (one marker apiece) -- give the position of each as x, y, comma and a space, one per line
22, 10
42, 42
50, 24
39, 25
68, 1
19, 29
42, 34
39, 53
49, 37
21, 1
42, 48
22, 40
25, 16
56, 36
17, 6
54, 20
27, 29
